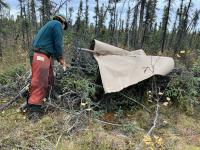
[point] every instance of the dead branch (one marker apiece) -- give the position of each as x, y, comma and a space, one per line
136, 102
155, 119
22, 91
60, 6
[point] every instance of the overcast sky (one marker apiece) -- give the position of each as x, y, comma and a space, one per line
14, 6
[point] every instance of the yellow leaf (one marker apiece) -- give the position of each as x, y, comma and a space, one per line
168, 98
88, 109
165, 122
147, 139
148, 92
158, 140
182, 52
151, 148
165, 103
44, 99
150, 100
83, 104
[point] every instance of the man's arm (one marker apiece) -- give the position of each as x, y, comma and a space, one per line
58, 45
58, 41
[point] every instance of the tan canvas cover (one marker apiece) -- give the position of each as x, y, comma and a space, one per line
120, 68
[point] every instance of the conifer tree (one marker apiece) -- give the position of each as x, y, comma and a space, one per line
165, 23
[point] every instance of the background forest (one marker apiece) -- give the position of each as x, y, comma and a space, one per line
158, 113
133, 28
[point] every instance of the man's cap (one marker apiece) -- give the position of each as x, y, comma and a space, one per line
62, 19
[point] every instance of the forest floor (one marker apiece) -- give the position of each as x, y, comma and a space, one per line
174, 130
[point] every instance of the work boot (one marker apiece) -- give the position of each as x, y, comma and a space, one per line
23, 108
34, 113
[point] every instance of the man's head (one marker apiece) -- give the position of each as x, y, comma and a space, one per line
61, 19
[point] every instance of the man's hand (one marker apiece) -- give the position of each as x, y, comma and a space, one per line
62, 62
65, 66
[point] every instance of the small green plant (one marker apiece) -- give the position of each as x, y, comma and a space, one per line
130, 128
119, 113
11, 74
80, 85
196, 68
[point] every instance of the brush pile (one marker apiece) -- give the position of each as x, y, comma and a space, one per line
80, 86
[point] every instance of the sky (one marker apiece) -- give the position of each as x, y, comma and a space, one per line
14, 6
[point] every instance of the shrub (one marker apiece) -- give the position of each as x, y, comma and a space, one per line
81, 85
183, 88
10, 75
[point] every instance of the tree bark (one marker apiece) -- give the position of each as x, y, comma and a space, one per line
165, 25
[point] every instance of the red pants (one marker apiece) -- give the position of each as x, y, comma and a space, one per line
42, 78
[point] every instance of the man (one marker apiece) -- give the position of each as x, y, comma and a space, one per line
47, 45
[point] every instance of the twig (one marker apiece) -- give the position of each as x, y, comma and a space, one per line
151, 129
61, 4
51, 144
104, 122
4, 106
155, 119
136, 102
72, 127
64, 110
58, 141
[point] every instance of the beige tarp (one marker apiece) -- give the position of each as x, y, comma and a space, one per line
120, 68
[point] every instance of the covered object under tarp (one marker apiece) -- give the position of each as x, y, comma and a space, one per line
120, 68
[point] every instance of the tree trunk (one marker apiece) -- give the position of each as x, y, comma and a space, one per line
134, 26
166, 19
141, 28
33, 16
86, 13
126, 39
96, 17
1, 47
